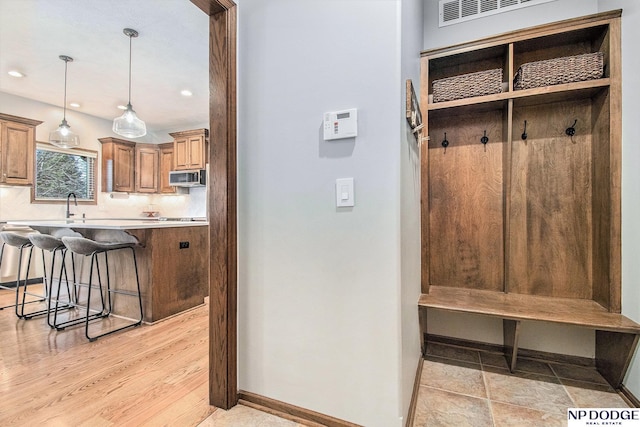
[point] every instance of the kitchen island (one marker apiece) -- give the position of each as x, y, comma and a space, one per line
172, 259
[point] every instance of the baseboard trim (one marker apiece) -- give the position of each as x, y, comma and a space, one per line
414, 396
31, 281
522, 352
290, 412
628, 396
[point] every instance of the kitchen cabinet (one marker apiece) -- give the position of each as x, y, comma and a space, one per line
166, 165
147, 168
17, 149
118, 165
190, 149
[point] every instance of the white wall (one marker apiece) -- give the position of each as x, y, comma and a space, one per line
412, 28
566, 340
499, 23
15, 202
319, 287
630, 170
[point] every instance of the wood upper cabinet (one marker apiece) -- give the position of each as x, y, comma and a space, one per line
147, 168
17, 149
190, 149
118, 164
166, 165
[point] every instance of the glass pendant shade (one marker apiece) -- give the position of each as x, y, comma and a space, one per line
63, 137
128, 124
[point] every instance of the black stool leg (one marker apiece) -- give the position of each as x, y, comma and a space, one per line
109, 291
26, 278
88, 317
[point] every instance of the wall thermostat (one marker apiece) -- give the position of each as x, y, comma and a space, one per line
341, 124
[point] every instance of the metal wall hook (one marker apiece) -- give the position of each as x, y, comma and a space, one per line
484, 140
571, 130
524, 134
445, 143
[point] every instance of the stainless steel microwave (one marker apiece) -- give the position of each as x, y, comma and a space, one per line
188, 178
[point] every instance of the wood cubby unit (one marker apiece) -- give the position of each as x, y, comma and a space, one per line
528, 223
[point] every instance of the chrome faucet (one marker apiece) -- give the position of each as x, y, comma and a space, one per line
75, 201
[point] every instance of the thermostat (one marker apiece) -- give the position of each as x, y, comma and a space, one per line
341, 124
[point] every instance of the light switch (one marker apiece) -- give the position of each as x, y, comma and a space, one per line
345, 196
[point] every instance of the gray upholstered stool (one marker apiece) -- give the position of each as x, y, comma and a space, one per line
52, 243
22, 243
88, 247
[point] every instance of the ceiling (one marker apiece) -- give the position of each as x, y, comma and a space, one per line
170, 54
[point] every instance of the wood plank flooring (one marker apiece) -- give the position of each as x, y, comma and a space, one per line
150, 375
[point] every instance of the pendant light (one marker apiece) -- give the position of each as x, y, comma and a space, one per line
63, 137
128, 124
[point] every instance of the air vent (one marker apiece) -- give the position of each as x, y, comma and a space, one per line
455, 11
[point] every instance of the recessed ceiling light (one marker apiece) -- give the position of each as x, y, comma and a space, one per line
186, 92
122, 107
74, 105
15, 73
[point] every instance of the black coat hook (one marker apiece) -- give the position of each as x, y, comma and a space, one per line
485, 138
524, 134
445, 143
571, 130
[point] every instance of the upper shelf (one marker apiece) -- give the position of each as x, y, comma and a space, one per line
541, 95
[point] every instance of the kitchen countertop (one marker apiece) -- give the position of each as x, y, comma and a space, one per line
105, 223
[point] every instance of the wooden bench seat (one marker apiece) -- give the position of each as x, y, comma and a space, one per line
616, 335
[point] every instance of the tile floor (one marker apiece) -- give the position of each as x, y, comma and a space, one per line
463, 387
244, 416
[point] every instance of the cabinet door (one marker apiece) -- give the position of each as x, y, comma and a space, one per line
181, 154
166, 165
197, 158
147, 169
17, 147
123, 168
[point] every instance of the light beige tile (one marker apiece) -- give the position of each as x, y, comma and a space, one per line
578, 373
439, 408
453, 375
534, 391
243, 416
451, 352
505, 415
591, 395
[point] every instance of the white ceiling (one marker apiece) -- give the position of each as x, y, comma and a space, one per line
170, 54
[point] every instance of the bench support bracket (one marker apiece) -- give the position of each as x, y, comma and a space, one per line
614, 351
511, 333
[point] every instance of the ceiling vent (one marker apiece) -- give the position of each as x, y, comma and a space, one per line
455, 11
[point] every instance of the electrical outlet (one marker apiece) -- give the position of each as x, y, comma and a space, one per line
184, 245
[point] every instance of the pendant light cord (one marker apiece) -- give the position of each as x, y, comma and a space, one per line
130, 37
64, 107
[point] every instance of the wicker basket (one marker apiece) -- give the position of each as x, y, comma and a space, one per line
468, 85
568, 69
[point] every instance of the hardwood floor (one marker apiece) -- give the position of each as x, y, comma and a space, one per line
149, 375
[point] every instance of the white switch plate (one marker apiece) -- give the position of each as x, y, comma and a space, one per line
345, 196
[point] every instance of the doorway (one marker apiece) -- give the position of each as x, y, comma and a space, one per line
223, 387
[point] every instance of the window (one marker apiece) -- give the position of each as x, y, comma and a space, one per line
60, 171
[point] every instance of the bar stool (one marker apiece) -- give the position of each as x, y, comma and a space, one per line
92, 248
53, 244
22, 243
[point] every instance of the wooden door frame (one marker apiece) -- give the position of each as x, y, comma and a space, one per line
223, 378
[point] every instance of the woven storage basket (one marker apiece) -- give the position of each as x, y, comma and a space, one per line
468, 85
559, 70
